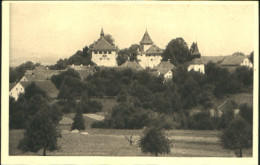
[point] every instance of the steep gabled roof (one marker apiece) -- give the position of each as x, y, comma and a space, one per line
146, 39
131, 64
40, 75
11, 85
103, 44
233, 60
195, 49
164, 66
154, 50
47, 86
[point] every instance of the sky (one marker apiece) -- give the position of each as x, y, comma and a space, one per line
64, 28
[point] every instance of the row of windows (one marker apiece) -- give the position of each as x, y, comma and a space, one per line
100, 52
104, 59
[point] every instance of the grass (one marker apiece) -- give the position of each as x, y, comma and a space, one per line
111, 142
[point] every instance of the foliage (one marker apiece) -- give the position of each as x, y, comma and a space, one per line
246, 112
244, 75
125, 116
128, 54
78, 120
58, 79
177, 51
32, 90
155, 142
80, 57
227, 113
42, 132
71, 88
15, 74
201, 121
251, 57
237, 136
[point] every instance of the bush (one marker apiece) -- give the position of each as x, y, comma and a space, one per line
201, 121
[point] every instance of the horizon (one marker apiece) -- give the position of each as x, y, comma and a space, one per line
63, 29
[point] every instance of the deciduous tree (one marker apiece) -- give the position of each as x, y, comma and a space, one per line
237, 136
155, 142
42, 132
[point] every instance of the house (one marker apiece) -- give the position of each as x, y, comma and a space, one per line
83, 70
149, 55
46, 85
39, 75
103, 53
132, 65
165, 68
236, 60
197, 65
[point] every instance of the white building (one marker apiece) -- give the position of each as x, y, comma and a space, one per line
197, 65
236, 60
46, 85
165, 68
103, 53
149, 54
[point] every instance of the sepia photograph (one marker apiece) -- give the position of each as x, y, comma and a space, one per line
130, 82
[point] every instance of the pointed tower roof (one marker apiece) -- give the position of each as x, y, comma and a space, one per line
195, 49
102, 33
146, 39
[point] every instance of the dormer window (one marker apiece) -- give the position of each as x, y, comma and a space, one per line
105, 52
95, 52
100, 52
109, 52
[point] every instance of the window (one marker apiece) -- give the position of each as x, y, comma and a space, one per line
17, 89
100, 59
95, 52
105, 52
104, 55
100, 52
109, 52
107, 58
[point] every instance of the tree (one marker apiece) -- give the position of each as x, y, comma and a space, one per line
42, 132
78, 121
251, 57
32, 90
237, 136
155, 142
58, 79
110, 39
18, 72
177, 51
246, 112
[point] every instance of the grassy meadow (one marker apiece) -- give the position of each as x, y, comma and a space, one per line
112, 142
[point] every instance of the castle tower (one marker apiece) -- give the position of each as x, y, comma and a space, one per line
103, 53
146, 42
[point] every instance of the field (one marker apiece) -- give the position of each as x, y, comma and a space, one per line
112, 142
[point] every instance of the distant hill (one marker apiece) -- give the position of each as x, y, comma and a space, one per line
18, 56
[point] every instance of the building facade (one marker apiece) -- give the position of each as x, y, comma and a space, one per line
103, 53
